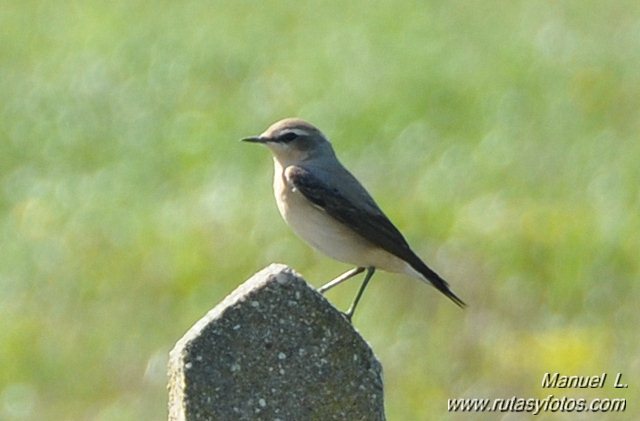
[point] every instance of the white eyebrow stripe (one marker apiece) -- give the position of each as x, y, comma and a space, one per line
299, 132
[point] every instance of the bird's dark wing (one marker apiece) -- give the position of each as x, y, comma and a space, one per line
363, 217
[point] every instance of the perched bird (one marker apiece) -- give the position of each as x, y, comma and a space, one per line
327, 207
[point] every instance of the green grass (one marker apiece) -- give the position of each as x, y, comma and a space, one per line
508, 133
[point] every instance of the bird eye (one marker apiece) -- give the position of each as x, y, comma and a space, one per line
288, 137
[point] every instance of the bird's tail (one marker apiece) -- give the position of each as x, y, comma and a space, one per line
436, 280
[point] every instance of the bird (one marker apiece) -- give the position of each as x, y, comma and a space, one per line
326, 206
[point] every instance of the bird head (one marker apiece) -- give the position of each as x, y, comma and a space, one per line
293, 140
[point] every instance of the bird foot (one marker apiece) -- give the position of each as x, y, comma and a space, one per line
348, 315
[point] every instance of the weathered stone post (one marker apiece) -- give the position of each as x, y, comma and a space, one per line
274, 349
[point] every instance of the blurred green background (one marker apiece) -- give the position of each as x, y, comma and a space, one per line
501, 137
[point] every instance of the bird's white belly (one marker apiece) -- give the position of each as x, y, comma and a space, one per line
328, 235
325, 234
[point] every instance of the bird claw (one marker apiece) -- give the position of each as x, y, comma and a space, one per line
348, 315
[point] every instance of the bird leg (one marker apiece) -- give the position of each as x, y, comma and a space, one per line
367, 278
340, 279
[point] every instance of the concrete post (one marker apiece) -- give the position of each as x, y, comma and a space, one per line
274, 349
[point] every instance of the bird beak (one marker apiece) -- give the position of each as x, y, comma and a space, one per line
254, 139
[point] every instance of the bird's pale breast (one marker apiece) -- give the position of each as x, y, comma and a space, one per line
326, 234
